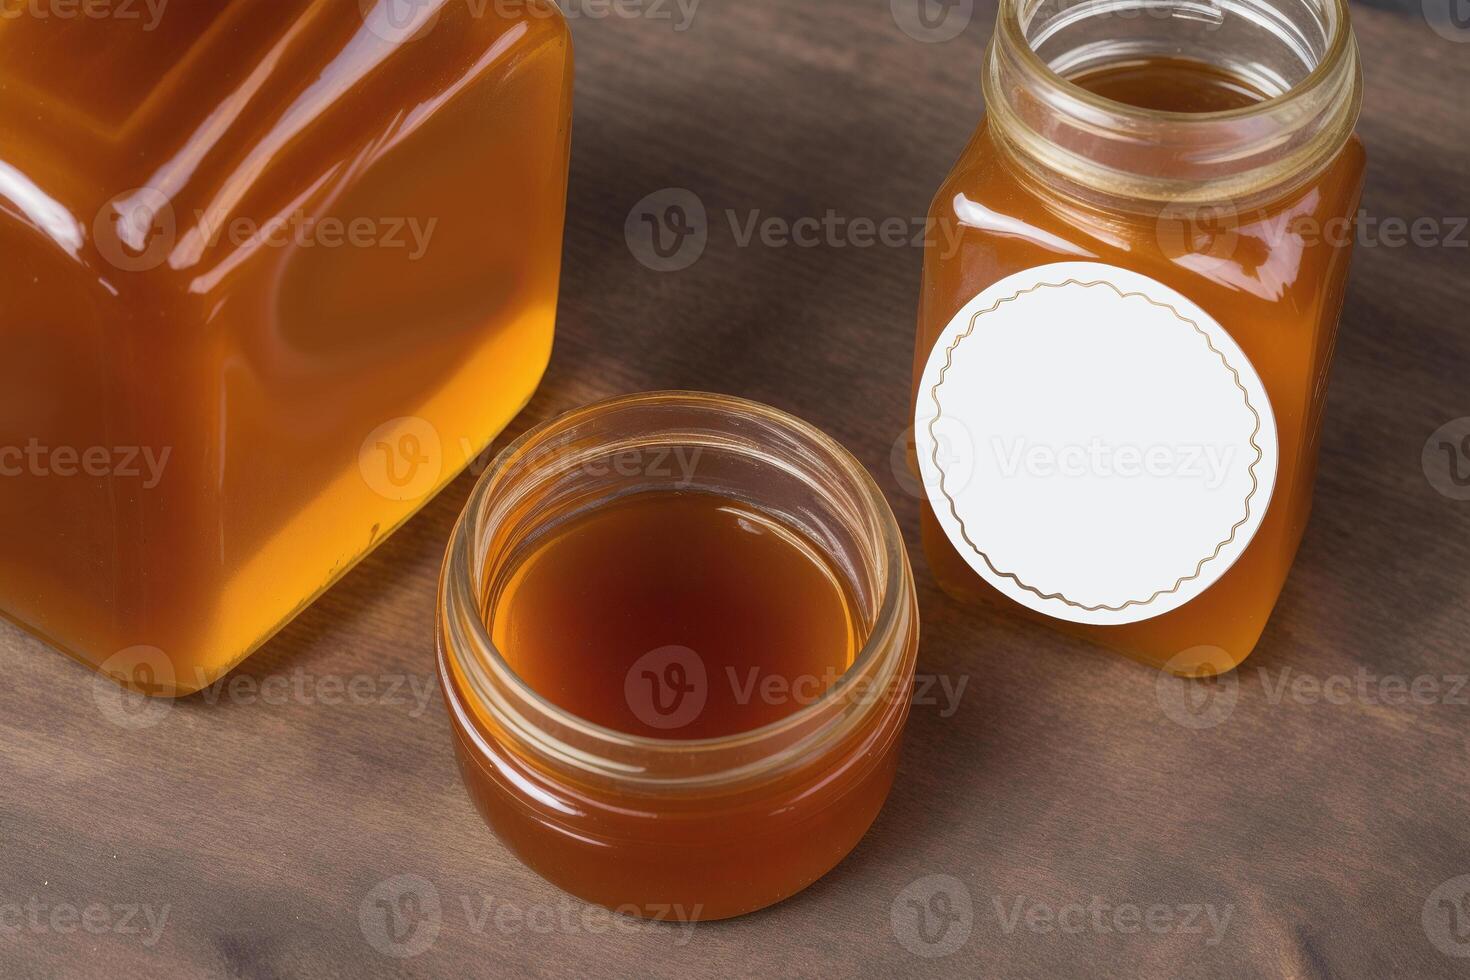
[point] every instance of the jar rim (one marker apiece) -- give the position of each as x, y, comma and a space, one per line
1122, 155
1008, 20
605, 750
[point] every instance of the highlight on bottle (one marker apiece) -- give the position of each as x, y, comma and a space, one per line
609, 785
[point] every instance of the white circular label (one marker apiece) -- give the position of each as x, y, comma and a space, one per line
1094, 444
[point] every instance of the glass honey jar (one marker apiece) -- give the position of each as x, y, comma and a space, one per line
1121, 362
676, 637
274, 273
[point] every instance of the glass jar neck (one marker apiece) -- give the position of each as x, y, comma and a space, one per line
726, 445
1299, 53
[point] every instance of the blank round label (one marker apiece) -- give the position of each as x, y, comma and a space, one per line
1094, 444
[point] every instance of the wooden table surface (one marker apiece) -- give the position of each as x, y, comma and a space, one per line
1307, 818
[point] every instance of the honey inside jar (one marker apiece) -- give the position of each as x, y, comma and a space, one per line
274, 273
1170, 85
678, 692
1214, 162
676, 615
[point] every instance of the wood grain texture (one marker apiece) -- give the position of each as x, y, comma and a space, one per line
1322, 829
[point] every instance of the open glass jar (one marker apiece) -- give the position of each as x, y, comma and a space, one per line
700, 828
1122, 358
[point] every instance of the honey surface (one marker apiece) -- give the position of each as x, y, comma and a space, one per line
675, 615
1170, 85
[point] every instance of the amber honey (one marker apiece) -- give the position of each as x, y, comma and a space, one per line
1170, 85
678, 696
303, 254
682, 615
1164, 197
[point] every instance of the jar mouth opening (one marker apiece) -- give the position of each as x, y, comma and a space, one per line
585, 744
1111, 154
1013, 23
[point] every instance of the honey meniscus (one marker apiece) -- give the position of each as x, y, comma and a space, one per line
675, 614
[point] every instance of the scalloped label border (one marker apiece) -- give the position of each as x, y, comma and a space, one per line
1122, 284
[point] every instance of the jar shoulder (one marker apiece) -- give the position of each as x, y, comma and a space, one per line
1276, 254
